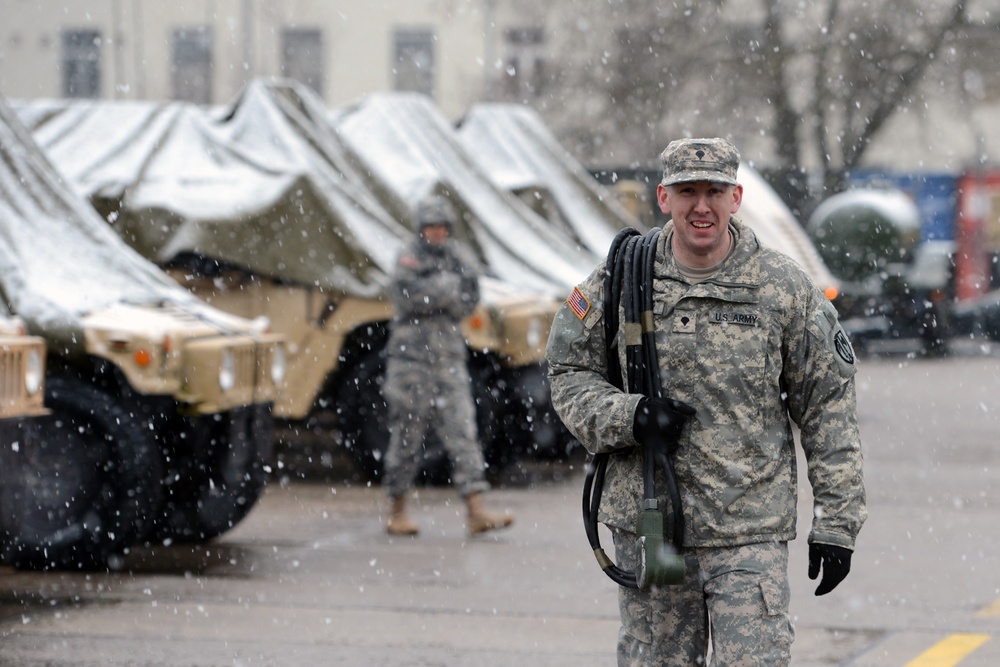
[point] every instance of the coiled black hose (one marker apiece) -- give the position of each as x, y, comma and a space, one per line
629, 279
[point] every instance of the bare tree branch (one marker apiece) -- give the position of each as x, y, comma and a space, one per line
807, 82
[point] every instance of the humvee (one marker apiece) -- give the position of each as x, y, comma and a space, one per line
159, 424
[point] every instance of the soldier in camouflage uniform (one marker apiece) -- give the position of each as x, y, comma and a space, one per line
746, 346
427, 385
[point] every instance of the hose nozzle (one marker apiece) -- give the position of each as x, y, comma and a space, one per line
658, 563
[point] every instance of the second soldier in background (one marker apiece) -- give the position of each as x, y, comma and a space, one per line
434, 287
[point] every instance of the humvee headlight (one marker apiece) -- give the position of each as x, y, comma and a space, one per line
33, 373
227, 371
534, 334
279, 364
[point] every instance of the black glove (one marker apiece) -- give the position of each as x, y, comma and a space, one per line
836, 563
660, 420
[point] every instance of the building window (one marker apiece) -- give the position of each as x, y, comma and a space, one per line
302, 57
191, 68
414, 61
81, 63
524, 61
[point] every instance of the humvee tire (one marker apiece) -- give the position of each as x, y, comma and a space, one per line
364, 422
83, 485
220, 476
492, 396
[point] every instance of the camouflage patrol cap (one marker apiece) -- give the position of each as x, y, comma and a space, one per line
435, 210
687, 160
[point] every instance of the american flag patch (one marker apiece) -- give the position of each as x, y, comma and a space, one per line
578, 302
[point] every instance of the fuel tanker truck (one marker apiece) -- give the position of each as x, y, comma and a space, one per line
257, 209
156, 423
892, 285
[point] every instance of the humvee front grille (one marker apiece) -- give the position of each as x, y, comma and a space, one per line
14, 398
245, 362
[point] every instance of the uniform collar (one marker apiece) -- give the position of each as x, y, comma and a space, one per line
742, 269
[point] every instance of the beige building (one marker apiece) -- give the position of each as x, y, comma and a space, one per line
206, 50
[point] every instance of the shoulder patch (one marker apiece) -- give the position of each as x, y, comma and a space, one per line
578, 303
843, 346
829, 330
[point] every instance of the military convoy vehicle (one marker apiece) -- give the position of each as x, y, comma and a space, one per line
159, 406
257, 210
893, 286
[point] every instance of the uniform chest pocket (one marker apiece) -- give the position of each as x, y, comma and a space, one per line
727, 343
725, 348
733, 338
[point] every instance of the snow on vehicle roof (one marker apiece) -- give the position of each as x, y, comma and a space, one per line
893, 204
409, 150
513, 146
59, 261
278, 184
256, 184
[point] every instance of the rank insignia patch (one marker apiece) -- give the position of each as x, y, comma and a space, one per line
578, 303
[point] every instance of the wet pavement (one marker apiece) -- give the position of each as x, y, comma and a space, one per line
311, 578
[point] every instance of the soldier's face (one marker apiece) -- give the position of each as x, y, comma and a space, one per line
435, 234
700, 211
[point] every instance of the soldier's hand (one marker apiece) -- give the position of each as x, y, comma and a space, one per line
835, 561
660, 420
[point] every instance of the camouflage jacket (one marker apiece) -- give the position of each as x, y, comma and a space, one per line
754, 349
433, 289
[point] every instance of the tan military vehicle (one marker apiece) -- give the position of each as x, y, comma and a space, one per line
160, 424
336, 361
256, 210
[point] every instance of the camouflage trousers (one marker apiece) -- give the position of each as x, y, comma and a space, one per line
431, 397
731, 610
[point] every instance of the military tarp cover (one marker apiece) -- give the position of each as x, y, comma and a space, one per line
408, 150
517, 151
59, 260
257, 184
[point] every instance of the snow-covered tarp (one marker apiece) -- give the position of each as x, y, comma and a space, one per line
280, 185
517, 150
59, 260
256, 184
408, 150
